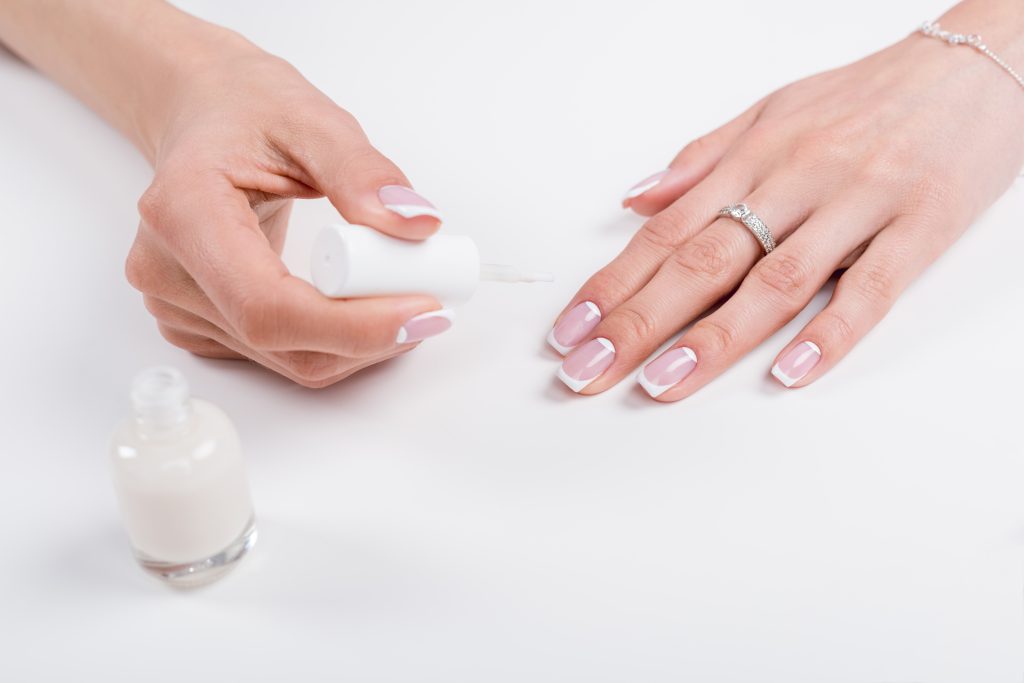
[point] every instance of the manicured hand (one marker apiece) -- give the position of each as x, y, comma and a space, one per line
244, 134
875, 169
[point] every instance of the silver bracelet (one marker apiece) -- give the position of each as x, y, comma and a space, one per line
933, 30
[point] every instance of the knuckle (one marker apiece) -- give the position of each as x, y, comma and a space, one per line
785, 275
707, 256
879, 169
310, 367
700, 147
755, 139
637, 323
159, 309
611, 284
663, 231
752, 145
716, 335
839, 327
929, 194
363, 159
209, 348
138, 270
257, 321
152, 203
180, 338
875, 285
830, 145
316, 384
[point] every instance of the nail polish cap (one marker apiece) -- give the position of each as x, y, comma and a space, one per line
356, 261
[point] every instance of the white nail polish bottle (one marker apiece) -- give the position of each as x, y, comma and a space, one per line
181, 483
356, 261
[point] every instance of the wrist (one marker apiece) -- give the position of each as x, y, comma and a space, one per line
962, 69
189, 52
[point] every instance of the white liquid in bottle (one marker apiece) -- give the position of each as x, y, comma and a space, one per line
181, 482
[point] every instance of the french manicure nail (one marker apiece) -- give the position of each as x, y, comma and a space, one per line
585, 364
574, 327
644, 185
795, 365
406, 203
667, 370
425, 325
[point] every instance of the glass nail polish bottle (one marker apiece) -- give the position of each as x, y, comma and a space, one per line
181, 482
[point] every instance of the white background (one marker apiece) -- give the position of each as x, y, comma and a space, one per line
457, 515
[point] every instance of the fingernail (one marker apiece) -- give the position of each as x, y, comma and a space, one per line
795, 365
644, 185
406, 203
667, 370
574, 327
425, 325
585, 364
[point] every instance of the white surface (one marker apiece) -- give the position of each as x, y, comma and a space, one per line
458, 515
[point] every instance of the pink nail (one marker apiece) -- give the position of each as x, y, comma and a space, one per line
406, 203
795, 365
585, 364
425, 325
667, 370
574, 327
644, 185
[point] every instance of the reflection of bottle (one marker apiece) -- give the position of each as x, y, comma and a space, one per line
181, 483
356, 261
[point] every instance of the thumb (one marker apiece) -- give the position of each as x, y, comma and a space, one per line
364, 186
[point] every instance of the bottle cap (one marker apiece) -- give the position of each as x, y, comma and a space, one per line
357, 261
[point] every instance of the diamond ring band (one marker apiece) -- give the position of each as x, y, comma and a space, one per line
742, 214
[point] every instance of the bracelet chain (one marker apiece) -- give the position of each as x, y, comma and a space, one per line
933, 30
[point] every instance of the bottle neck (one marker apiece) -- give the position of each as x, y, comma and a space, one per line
161, 402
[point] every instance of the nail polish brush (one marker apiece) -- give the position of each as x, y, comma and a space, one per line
356, 261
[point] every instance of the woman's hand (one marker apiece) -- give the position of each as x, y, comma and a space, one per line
245, 135
234, 134
875, 168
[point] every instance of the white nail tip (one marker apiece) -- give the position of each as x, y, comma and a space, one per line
446, 313
786, 380
642, 187
562, 349
653, 390
413, 210
576, 385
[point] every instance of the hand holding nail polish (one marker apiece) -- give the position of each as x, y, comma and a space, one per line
235, 148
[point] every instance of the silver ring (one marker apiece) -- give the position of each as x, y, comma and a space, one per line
743, 214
